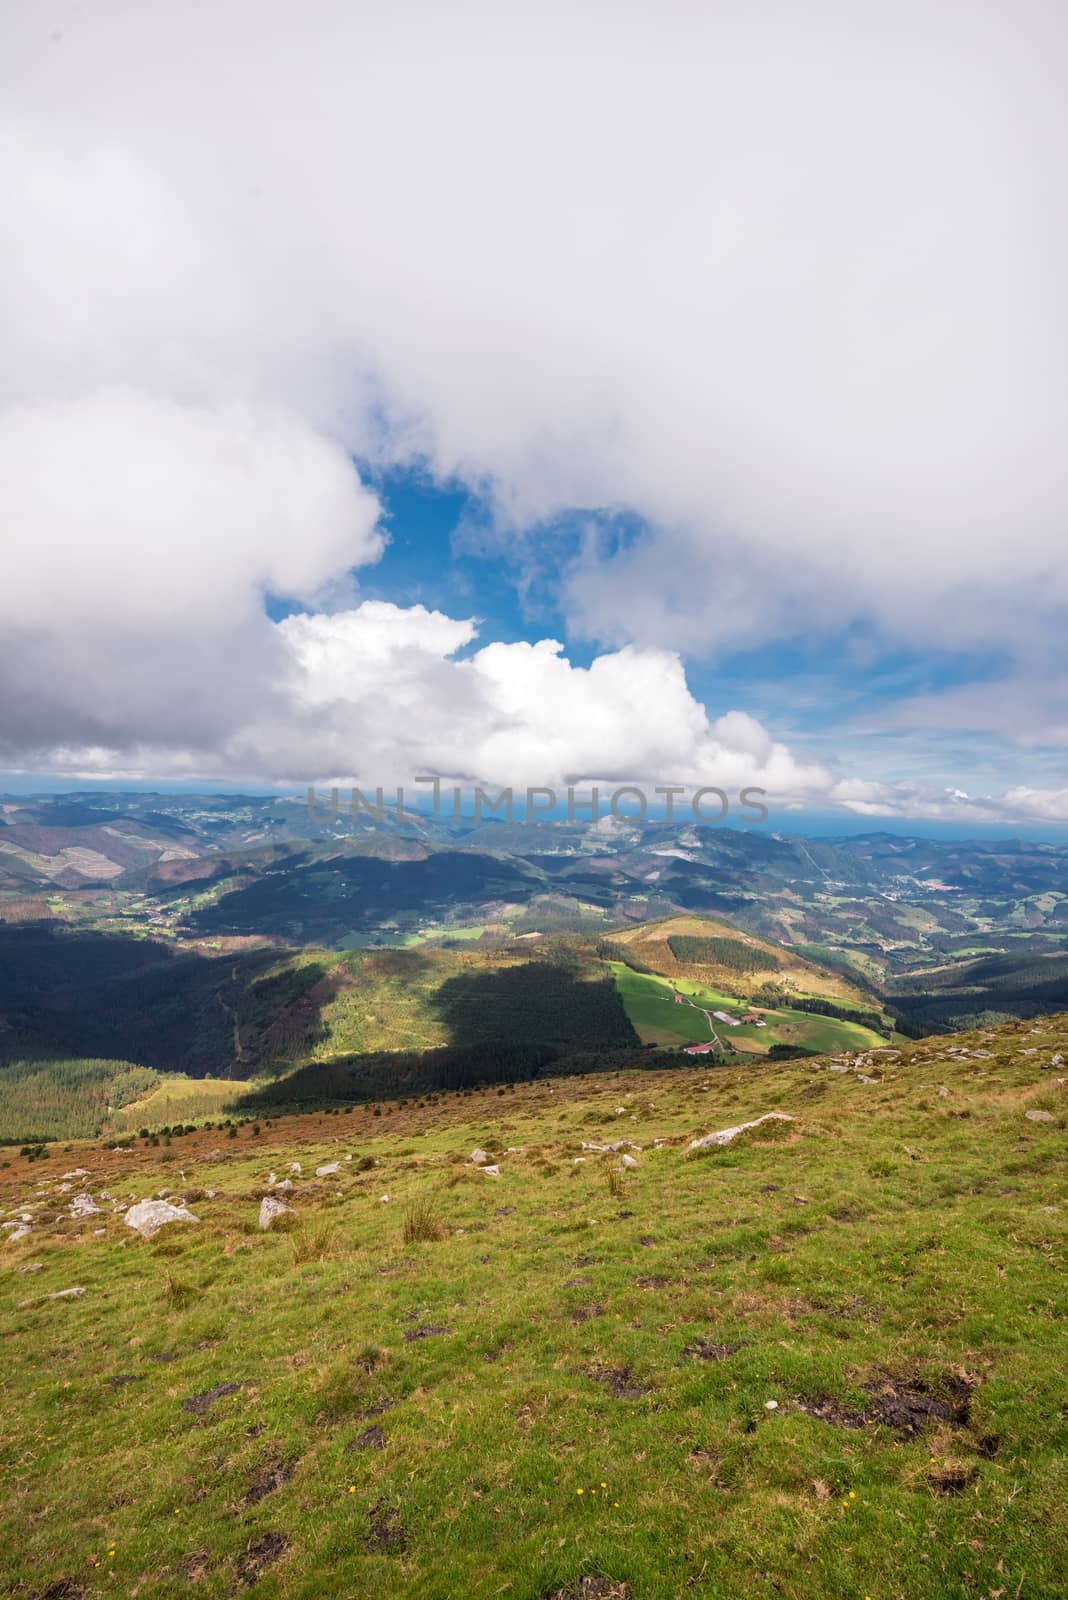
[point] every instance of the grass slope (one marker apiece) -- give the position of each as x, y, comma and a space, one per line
825, 1365
660, 1019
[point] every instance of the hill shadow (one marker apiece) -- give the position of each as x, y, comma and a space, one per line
71, 995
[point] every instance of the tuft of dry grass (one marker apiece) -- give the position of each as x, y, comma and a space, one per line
422, 1224
312, 1244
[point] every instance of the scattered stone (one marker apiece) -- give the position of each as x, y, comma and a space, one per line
83, 1205
327, 1169
271, 1210
771, 1405
1054, 1061
423, 1332
628, 1161
151, 1215
30, 1266
944, 1093
121, 1379
383, 1199
286, 1186
492, 1171
294, 1166
57, 1294
479, 1157
727, 1136
1039, 1116
20, 1232
78, 1172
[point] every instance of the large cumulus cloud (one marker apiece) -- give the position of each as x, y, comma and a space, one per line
785, 282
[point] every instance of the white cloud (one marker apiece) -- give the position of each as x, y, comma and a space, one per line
785, 282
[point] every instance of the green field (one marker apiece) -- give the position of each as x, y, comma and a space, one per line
660, 1019
820, 1366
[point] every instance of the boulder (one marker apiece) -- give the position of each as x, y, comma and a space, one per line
271, 1209
479, 1157
327, 1169
1039, 1116
83, 1205
727, 1136
148, 1216
492, 1171
628, 1161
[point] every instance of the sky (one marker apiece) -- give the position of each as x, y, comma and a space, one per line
666, 392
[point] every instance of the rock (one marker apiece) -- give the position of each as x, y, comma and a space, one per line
728, 1135
1039, 1116
294, 1166
83, 1205
943, 1093
1054, 1061
628, 1161
78, 1172
271, 1210
272, 1180
479, 1157
328, 1169
286, 1186
30, 1266
383, 1200
348, 1158
20, 1233
492, 1171
148, 1216
861, 1078
57, 1294
771, 1405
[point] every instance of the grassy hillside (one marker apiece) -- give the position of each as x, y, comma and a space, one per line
716, 954
660, 1019
824, 1365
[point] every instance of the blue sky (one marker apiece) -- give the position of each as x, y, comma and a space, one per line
729, 352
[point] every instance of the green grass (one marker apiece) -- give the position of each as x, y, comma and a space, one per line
418, 1419
652, 1008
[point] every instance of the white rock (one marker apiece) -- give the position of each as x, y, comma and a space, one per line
272, 1180
479, 1157
286, 1186
327, 1169
1039, 1116
383, 1200
628, 1161
151, 1215
728, 1135
348, 1158
57, 1294
861, 1078
271, 1210
492, 1171
771, 1405
83, 1205
78, 1172
294, 1166
20, 1233
38, 1266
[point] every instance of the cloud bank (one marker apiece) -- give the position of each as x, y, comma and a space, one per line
786, 284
